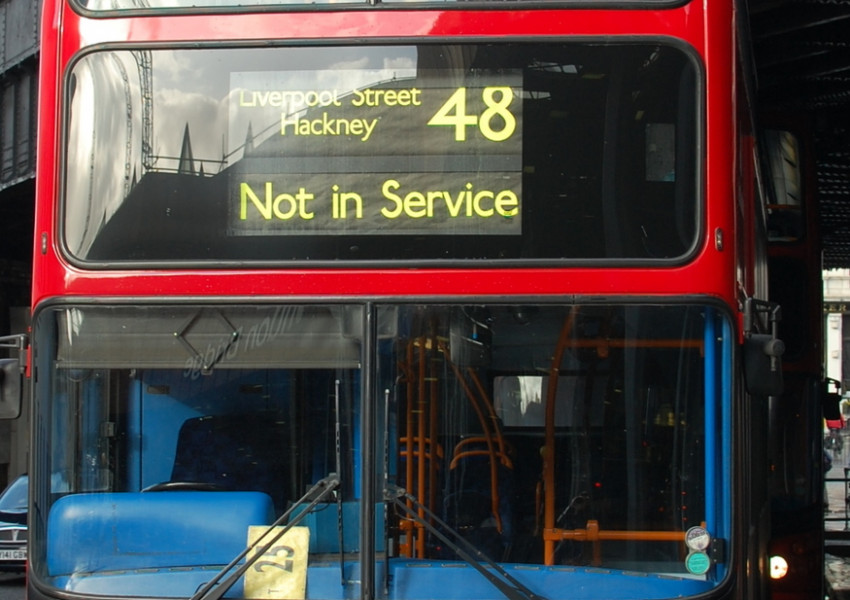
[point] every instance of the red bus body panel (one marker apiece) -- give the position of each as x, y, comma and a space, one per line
712, 269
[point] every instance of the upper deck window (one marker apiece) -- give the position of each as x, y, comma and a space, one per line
443, 153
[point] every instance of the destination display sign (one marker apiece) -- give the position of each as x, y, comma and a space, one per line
352, 154
420, 154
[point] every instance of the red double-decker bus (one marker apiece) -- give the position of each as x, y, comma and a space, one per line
403, 300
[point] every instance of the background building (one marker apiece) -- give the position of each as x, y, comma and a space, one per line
836, 297
19, 27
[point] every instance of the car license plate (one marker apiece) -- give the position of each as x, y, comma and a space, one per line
13, 554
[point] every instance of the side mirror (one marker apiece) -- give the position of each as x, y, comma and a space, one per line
762, 351
10, 388
831, 401
12, 376
762, 364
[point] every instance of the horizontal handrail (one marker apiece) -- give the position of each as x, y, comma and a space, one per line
593, 534
602, 345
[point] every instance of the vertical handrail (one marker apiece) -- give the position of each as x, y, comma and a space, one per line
711, 437
497, 430
421, 464
434, 421
491, 452
418, 448
549, 440
408, 451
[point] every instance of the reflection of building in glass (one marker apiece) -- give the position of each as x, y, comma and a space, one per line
483, 152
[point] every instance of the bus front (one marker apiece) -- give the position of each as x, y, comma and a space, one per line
427, 305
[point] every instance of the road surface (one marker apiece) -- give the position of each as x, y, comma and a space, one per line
11, 587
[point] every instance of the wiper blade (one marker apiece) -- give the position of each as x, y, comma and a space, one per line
495, 574
216, 587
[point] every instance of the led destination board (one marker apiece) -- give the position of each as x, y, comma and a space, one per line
345, 154
407, 156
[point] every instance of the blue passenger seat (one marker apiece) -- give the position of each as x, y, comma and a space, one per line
88, 533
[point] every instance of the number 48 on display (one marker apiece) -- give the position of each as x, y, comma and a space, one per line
497, 100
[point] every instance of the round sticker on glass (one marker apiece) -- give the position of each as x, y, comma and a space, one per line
697, 563
697, 539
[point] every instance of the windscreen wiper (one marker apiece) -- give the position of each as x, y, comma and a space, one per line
493, 572
216, 587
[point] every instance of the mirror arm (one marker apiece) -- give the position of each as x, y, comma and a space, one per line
19, 342
762, 315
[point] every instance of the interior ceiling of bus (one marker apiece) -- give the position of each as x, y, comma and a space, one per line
802, 56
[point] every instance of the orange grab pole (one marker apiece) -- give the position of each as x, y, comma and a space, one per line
549, 441
420, 464
592, 533
500, 439
491, 452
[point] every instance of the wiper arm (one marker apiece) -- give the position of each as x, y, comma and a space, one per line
213, 590
495, 574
